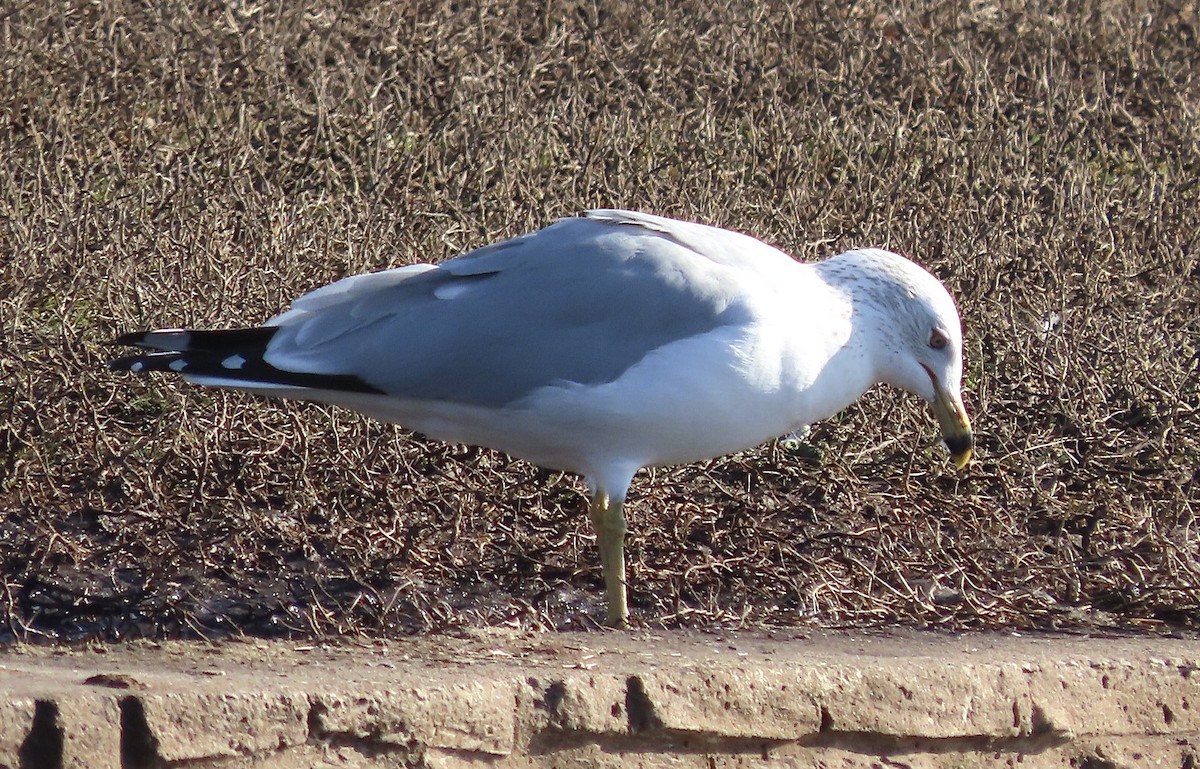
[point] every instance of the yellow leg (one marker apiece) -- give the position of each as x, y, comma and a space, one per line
608, 518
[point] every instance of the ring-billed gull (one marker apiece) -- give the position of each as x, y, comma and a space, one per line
600, 345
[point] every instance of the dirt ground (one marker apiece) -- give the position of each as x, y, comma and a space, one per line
183, 163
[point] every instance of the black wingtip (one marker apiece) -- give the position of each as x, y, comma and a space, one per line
122, 364
235, 367
138, 364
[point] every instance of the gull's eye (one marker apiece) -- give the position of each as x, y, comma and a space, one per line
938, 339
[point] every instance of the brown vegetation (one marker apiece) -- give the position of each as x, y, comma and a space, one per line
202, 163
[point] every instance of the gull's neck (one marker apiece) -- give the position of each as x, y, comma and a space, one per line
837, 357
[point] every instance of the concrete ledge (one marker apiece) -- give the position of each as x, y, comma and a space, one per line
608, 699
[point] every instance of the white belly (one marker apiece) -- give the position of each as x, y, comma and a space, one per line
690, 400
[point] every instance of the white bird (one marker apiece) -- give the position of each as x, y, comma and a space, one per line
600, 345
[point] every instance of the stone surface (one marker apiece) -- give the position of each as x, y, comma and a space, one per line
602, 699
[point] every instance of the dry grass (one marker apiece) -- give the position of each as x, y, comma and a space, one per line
183, 163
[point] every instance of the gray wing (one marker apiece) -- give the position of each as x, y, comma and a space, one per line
578, 302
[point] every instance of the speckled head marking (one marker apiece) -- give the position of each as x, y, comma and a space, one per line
913, 331
908, 300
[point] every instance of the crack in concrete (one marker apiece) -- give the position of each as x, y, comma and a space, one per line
552, 700
42, 747
139, 746
639, 710
880, 745
371, 745
662, 740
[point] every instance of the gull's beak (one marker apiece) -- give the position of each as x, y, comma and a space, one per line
956, 427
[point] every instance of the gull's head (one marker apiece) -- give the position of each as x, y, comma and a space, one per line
917, 332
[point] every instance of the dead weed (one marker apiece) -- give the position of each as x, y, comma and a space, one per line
202, 163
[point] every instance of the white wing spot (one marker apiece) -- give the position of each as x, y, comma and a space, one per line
451, 290
234, 362
179, 364
137, 367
